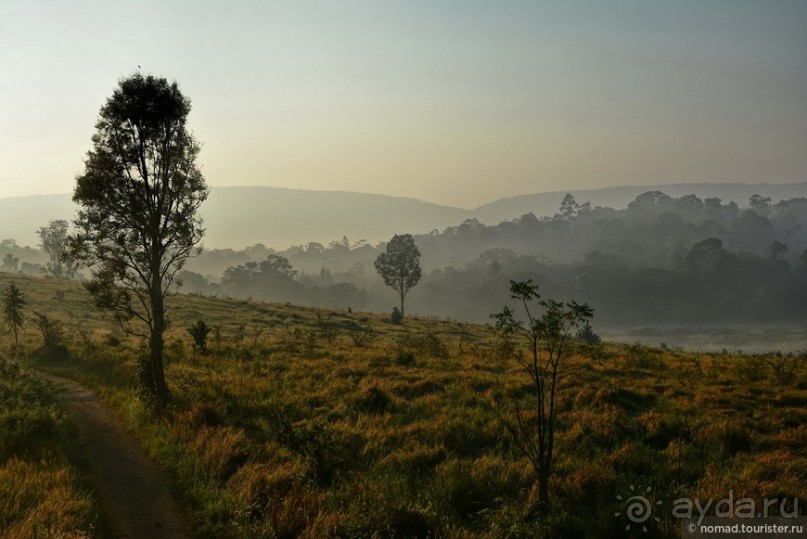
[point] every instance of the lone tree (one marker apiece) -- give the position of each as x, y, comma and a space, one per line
54, 241
399, 265
13, 303
138, 223
546, 329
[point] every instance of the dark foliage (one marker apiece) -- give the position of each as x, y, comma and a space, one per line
138, 223
661, 260
199, 331
399, 265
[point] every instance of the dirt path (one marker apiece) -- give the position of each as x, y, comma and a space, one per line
133, 492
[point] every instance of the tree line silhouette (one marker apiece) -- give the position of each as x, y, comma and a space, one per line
662, 259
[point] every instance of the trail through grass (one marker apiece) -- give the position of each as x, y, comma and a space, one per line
133, 493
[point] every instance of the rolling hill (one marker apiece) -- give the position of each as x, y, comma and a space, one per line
237, 217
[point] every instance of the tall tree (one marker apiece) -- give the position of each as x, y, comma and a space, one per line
54, 242
399, 265
138, 223
13, 303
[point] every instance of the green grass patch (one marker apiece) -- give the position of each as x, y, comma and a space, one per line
42, 492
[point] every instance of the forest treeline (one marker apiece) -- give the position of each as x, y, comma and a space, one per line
660, 260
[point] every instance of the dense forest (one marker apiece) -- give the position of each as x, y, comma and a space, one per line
660, 260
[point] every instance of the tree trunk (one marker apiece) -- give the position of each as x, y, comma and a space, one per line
544, 435
402, 303
159, 387
543, 468
543, 492
145, 376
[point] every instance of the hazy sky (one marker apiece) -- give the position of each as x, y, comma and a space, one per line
456, 102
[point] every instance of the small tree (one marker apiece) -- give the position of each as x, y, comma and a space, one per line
399, 265
547, 337
199, 331
13, 303
54, 241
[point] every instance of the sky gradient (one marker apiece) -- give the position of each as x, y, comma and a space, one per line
453, 102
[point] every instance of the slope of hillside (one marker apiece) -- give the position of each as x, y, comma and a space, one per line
20, 217
240, 216
236, 217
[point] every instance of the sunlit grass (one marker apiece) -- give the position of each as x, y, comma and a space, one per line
41, 493
292, 426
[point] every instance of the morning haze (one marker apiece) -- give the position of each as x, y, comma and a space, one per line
458, 103
361, 269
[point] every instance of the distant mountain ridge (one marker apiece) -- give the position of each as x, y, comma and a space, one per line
237, 217
618, 197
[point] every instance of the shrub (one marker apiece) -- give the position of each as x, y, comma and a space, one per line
374, 400
199, 331
50, 329
586, 334
113, 340
410, 522
8, 369
53, 348
405, 358
430, 344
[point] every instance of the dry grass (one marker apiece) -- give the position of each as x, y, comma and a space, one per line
41, 493
292, 427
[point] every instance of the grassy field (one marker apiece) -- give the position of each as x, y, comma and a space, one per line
42, 493
308, 423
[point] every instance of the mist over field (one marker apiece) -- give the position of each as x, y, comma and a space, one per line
699, 272
279, 218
